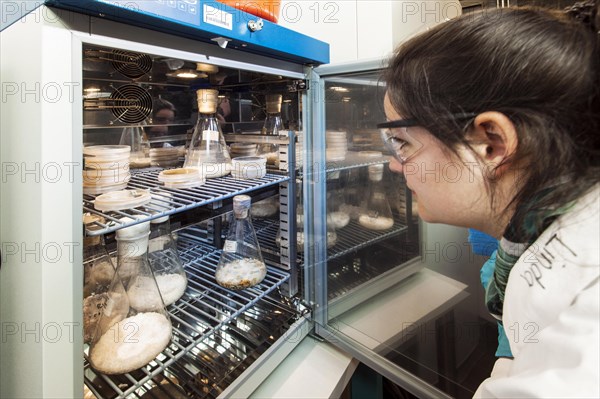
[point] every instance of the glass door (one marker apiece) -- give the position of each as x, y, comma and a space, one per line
384, 285
367, 233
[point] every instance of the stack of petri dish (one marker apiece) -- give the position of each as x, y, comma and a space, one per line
242, 150
249, 167
181, 178
337, 145
106, 168
122, 199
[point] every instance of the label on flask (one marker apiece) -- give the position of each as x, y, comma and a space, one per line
230, 246
210, 135
157, 244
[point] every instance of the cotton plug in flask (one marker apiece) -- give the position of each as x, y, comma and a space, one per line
375, 213
241, 264
137, 339
273, 126
208, 151
165, 262
135, 137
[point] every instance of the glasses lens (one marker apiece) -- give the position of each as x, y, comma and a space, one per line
386, 137
400, 143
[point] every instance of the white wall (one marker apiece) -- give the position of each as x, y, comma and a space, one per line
364, 29
333, 22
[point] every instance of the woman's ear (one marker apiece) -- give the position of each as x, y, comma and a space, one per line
494, 139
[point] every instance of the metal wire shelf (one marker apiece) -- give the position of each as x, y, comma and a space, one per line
349, 239
354, 159
346, 274
211, 326
354, 237
167, 201
266, 232
343, 273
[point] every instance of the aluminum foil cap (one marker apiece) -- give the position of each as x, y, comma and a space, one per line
207, 100
274, 103
375, 172
241, 205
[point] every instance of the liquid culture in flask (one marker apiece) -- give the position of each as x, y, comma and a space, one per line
241, 264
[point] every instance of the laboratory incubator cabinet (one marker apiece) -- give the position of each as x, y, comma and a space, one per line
95, 74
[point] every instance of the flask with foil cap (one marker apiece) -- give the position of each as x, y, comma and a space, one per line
241, 264
273, 126
142, 329
208, 151
375, 213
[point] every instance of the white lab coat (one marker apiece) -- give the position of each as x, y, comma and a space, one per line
552, 313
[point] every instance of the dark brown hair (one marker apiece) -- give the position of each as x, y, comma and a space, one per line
538, 67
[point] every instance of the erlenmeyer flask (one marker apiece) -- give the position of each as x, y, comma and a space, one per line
376, 213
241, 264
353, 186
133, 342
100, 289
336, 217
273, 126
208, 151
135, 137
98, 269
165, 262
265, 208
103, 308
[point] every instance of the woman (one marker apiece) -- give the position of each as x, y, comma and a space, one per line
163, 114
494, 119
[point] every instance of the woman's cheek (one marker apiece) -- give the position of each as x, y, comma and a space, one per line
395, 166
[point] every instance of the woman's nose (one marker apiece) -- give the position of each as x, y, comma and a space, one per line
395, 166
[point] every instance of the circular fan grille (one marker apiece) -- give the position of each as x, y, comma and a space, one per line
133, 65
131, 103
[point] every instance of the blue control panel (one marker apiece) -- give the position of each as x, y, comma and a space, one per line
206, 21
182, 11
